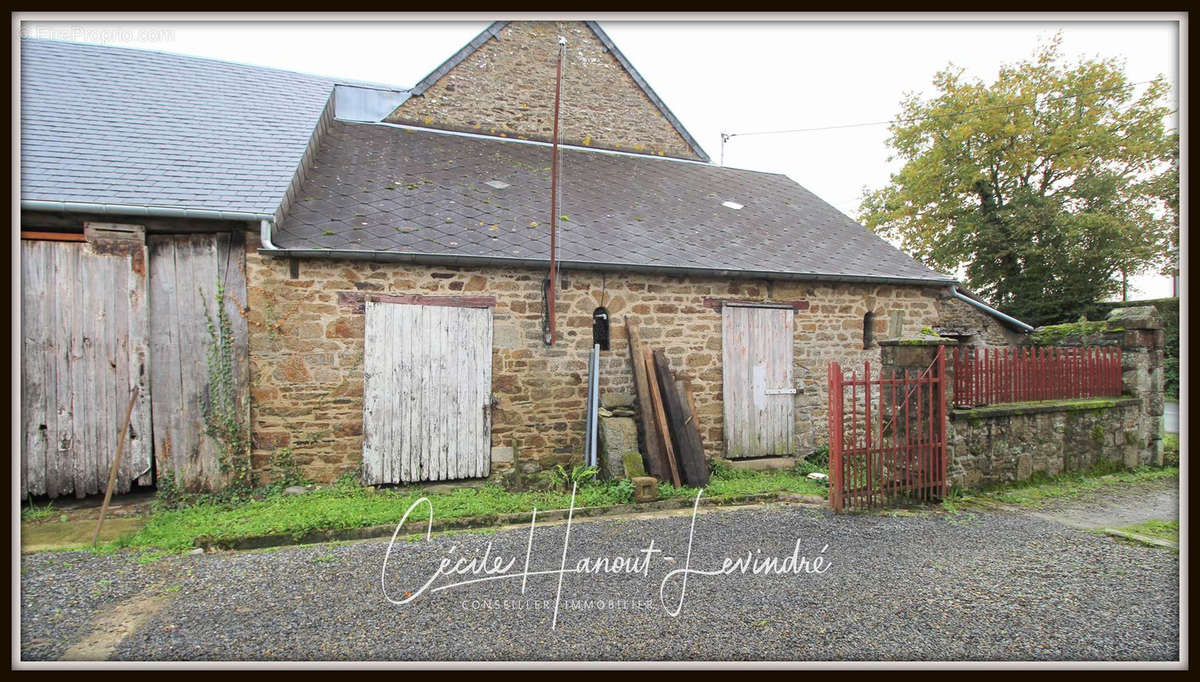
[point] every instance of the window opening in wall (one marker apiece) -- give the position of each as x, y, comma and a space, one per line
600, 327
868, 330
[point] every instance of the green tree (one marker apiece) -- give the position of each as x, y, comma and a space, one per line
1043, 188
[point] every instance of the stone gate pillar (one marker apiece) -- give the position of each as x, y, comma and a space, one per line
913, 356
910, 358
1140, 334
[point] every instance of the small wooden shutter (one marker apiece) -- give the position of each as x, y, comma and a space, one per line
427, 375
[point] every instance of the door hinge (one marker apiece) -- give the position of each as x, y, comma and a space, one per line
781, 391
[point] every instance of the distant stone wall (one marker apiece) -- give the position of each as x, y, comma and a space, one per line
306, 349
506, 88
971, 325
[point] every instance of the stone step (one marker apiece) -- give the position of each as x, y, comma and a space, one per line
451, 486
763, 463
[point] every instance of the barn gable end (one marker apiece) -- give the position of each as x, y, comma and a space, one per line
502, 83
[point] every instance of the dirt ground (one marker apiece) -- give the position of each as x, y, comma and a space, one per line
1117, 507
74, 521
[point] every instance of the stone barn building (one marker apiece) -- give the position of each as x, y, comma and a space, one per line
383, 254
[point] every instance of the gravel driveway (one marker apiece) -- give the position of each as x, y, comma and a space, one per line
931, 587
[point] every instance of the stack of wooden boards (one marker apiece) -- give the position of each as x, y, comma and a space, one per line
673, 449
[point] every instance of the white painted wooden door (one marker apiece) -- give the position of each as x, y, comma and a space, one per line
427, 379
758, 392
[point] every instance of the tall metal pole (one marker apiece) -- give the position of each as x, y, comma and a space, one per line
562, 48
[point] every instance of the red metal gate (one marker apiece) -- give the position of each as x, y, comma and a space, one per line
887, 436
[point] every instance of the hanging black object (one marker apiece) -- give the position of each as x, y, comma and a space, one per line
600, 327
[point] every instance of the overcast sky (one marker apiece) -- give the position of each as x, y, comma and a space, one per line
725, 75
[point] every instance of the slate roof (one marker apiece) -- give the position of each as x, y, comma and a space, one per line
383, 188
124, 126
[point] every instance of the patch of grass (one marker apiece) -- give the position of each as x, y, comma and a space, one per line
1041, 489
150, 557
1171, 449
346, 504
35, 512
1163, 530
731, 481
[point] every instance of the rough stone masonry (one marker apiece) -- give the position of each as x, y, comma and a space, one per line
999, 444
306, 349
512, 75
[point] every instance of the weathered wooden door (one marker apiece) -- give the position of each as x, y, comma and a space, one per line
84, 343
427, 378
757, 374
184, 271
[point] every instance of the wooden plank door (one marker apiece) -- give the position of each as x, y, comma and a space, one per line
758, 392
184, 270
83, 348
427, 381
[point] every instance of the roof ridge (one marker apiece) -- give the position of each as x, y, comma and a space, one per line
333, 80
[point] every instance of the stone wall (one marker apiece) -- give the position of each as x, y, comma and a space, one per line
306, 348
506, 88
972, 326
989, 446
998, 444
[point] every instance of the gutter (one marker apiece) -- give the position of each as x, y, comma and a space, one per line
991, 311
270, 249
134, 210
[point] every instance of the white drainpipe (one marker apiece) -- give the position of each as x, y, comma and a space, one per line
264, 236
992, 311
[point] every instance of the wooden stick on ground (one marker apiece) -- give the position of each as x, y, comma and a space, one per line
116, 464
660, 414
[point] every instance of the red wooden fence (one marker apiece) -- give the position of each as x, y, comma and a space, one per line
887, 436
989, 376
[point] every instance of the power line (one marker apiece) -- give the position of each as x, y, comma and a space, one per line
725, 137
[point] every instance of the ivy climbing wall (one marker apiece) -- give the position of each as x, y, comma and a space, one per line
199, 399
